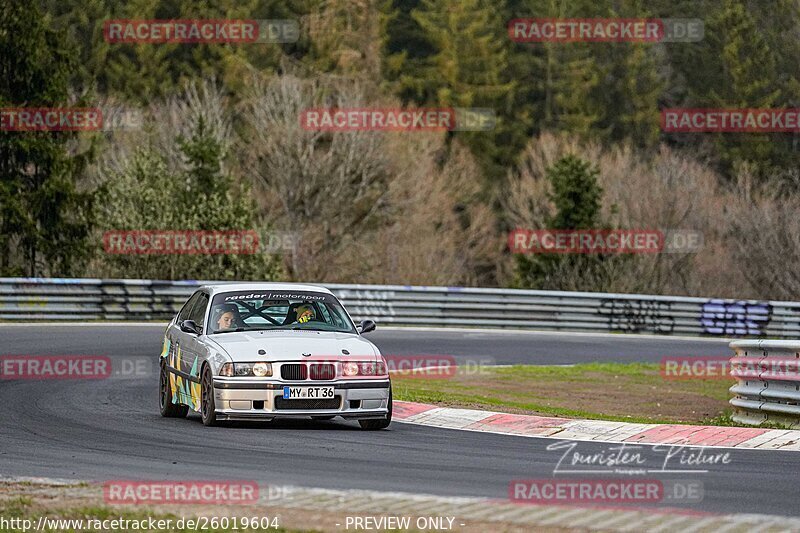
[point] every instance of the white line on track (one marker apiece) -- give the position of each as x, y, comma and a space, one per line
555, 436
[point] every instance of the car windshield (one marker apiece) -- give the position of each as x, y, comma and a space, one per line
271, 310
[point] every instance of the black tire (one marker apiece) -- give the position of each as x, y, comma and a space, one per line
167, 408
207, 406
383, 423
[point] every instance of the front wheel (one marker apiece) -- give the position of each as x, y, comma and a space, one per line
208, 409
167, 407
371, 425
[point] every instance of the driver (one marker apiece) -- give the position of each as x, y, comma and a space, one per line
225, 317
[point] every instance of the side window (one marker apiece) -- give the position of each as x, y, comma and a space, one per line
326, 316
198, 312
336, 317
186, 311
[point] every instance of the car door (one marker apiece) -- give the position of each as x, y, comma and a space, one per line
191, 346
177, 339
193, 352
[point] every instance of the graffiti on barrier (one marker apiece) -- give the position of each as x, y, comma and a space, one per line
721, 317
367, 303
638, 315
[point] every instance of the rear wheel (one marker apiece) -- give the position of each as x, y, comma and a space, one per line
167, 407
207, 406
383, 423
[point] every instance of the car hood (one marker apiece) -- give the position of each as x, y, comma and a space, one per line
291, 345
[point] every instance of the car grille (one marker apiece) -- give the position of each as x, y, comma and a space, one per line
320, 372
294, 371
327, 403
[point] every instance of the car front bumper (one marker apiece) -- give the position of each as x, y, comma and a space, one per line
248, 399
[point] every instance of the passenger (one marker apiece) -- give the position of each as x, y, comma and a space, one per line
305, 313
299, 313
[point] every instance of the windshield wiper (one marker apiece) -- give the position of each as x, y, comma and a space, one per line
235, 330
298, 328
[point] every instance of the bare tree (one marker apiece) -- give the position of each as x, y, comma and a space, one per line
373, 206
668, 192
763, 233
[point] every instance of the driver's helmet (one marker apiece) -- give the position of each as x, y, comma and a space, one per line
305, 313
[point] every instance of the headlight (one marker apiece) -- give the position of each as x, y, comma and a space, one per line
372, 369
260, 369
364, 368
350, 369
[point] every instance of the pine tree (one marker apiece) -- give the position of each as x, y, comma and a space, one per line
146, 195
345, 39
631, 85
44, 220
406, 48
141, 72
734, 66
559, 83
82, 23
749, 81
573, 77
469, 68
576, 196
575, 193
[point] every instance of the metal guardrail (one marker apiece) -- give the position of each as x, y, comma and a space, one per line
102, 299
767, 382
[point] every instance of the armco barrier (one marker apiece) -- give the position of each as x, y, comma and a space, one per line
767, 386
96, 299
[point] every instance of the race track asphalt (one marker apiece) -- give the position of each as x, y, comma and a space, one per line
110, 429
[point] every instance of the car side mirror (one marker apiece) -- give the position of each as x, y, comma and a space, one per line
366, 326
190, 326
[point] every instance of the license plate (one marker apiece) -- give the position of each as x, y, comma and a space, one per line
294, 393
